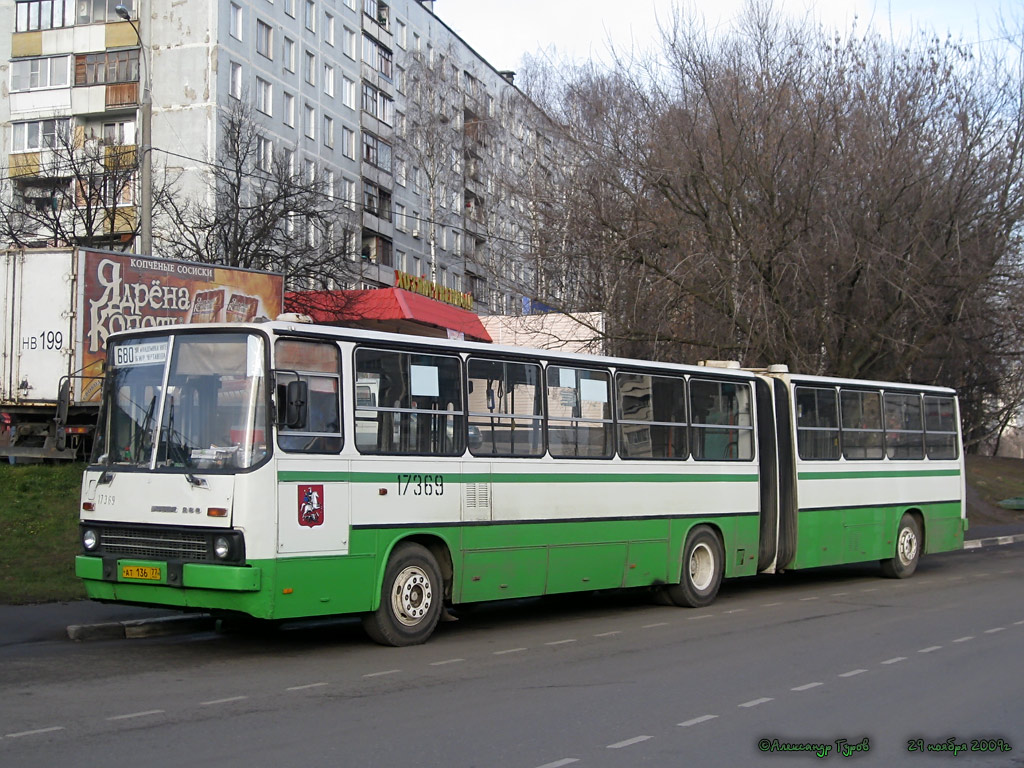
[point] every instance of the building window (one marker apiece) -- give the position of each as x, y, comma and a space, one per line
376, 152
289, 54
350, 4
400, 217
38, 134
289, 7
236, 21
310, 71
310, 17
264, 39
235, 85
107, 67
400, 33
328, 131
378, 104
98, 12
30, 74
329, 183
401, 172
309, 124
377, 56
348, 143
328, 28
47, 14
348, 193
348, 42
348, 92
376, 201
264, 153
264, 96
289, 110
121, 132
328, 79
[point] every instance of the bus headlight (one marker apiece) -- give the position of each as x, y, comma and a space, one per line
222, 547
90, 539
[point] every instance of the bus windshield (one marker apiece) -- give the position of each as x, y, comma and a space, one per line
185, 401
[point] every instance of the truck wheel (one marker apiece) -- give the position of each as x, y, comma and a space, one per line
701, 572
908, 550
411, 599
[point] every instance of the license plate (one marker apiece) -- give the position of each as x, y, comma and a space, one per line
140, 572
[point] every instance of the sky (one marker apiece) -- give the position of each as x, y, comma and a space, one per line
503, 30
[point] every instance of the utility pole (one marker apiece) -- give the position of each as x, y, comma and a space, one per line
146, 138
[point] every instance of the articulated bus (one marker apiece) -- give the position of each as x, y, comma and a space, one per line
284, 470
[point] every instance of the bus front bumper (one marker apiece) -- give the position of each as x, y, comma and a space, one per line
231, 578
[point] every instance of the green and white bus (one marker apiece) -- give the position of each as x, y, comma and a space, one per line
287, 470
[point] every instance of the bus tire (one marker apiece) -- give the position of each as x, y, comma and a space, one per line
412, 596
908, 549
701, 570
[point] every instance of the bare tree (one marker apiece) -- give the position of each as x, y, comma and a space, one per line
780, 194
268, 212
77, 189
431, 136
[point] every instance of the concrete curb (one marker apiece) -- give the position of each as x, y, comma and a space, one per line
993, 541
139, 628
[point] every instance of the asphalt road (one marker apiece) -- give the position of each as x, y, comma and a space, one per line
835, 658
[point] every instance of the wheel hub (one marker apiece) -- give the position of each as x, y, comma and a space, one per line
412, 595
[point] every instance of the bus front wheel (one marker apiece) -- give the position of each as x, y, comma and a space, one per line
701, 572
411, 598
908, 550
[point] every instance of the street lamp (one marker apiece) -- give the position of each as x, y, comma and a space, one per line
146, 137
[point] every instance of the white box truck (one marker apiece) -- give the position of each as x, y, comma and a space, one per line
57, 307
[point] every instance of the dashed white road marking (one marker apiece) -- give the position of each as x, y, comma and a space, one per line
930, 648
770, 605
228, 700
994, 630
609, 634
446, 661
628, 742
808, 599
852, 673
562, 642
1018, 623
702, 616
697, 721
509, 650
895, 660
381, 674
737, 610
806, 687
874, 589
305, 687
34, 732
755, 702
656, 624
964, 639
839, 594
130, 715
560, 763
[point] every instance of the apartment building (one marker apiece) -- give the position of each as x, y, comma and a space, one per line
402, 120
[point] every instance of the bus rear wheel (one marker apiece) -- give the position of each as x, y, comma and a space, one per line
908, 550
411, 598
701, 572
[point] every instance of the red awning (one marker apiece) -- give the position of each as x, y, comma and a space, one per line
364, 308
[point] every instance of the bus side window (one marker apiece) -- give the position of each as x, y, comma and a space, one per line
817, 423
721, 421
317, 365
